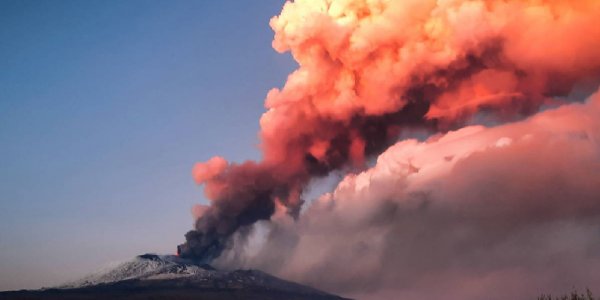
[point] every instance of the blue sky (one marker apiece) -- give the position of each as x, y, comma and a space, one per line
104, 108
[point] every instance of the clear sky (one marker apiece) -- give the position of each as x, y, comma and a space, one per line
104, 108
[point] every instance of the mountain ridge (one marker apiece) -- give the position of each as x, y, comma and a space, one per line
152, 276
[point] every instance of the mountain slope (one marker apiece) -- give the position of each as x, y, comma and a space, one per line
152, 276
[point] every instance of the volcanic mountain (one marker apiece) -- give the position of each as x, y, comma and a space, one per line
152, 276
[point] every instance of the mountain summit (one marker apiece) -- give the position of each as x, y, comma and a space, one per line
152, 276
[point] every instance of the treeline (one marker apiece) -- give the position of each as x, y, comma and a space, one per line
573, 296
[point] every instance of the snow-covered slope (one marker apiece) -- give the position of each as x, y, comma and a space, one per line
145, 267
152, 276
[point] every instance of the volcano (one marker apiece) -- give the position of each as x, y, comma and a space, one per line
152, 276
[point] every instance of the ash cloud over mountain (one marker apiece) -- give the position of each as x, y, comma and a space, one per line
513, 209
370, 70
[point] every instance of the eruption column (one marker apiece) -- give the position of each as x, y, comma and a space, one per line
369, 69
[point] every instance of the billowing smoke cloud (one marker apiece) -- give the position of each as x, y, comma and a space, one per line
507, 212
369, 69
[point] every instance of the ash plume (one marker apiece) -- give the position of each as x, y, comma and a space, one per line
370, 69
506, 212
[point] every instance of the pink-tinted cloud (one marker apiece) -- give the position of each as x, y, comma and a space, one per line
507, 212
368, 69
